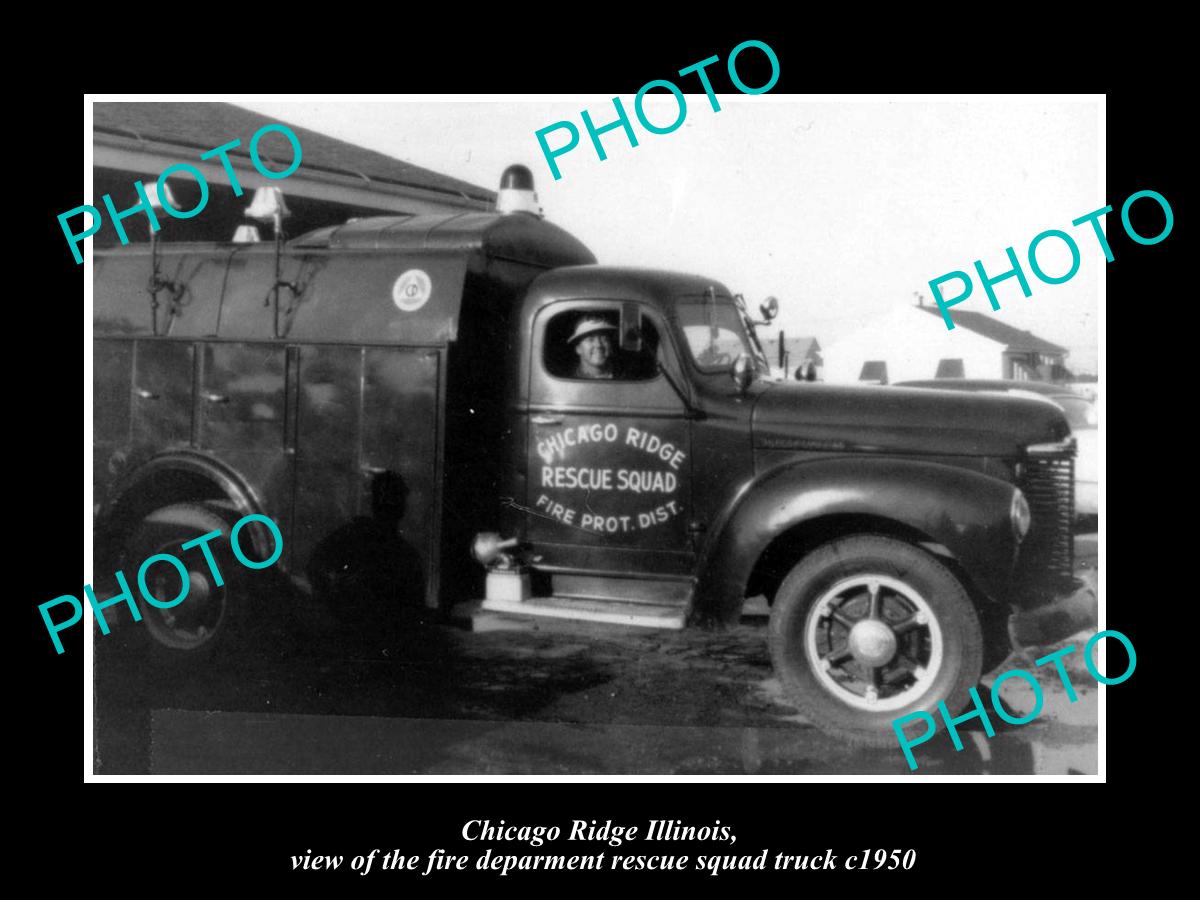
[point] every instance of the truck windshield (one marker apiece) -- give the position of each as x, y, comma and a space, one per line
715, 332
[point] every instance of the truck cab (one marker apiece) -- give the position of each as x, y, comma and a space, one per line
618, 478
402, 393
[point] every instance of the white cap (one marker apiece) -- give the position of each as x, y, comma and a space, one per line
590, 325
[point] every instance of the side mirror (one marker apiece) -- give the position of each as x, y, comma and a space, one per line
769, 309
742, 372
631, 328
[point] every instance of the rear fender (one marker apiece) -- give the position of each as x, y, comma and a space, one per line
182, 476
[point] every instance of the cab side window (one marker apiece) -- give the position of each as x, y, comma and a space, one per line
585, 344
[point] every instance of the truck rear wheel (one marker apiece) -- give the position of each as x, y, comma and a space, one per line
867, 629
205, 614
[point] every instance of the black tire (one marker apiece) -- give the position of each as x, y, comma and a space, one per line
936, 642
206, 617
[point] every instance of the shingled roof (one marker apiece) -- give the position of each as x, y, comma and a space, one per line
990, 327
206, 125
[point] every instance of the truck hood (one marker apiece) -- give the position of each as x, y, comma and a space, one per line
806, 416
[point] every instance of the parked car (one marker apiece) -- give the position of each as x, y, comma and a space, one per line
1081, 416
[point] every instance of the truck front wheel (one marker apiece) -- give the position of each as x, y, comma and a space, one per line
868, 629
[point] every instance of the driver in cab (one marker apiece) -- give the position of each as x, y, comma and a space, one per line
593, 343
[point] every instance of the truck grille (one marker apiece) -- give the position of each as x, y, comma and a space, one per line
1048, 482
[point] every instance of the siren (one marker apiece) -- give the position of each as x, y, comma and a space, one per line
517, 193
488, 547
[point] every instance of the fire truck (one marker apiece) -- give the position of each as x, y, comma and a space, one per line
404, 397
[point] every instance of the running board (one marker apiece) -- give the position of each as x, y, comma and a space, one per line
613, 612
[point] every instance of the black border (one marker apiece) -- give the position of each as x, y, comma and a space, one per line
955, 835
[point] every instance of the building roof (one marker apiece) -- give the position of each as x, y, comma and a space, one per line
991, 327
203, 126
803, 347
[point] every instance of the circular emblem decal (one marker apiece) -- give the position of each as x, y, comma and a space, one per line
411, 290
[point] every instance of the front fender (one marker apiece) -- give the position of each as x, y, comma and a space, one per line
965, 511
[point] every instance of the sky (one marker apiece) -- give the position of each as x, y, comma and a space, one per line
842, 209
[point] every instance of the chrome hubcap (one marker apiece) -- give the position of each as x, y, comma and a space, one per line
195, 619
873, 642
198, 588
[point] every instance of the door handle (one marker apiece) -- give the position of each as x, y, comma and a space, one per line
215, 398
547, 420
145, 394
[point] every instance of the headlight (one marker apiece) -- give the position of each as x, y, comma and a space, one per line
1019, 513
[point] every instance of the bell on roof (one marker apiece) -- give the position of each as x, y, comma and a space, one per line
267, 205
517, 193
155, 200
246, 234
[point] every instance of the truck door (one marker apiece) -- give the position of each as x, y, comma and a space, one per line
609, 458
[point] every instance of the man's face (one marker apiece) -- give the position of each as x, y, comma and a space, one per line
594, 351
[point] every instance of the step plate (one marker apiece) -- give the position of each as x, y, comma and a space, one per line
645, 615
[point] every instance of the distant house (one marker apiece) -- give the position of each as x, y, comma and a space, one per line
796, 351
336, 180
911, 342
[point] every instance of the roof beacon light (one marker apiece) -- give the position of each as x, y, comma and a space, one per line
517, 193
